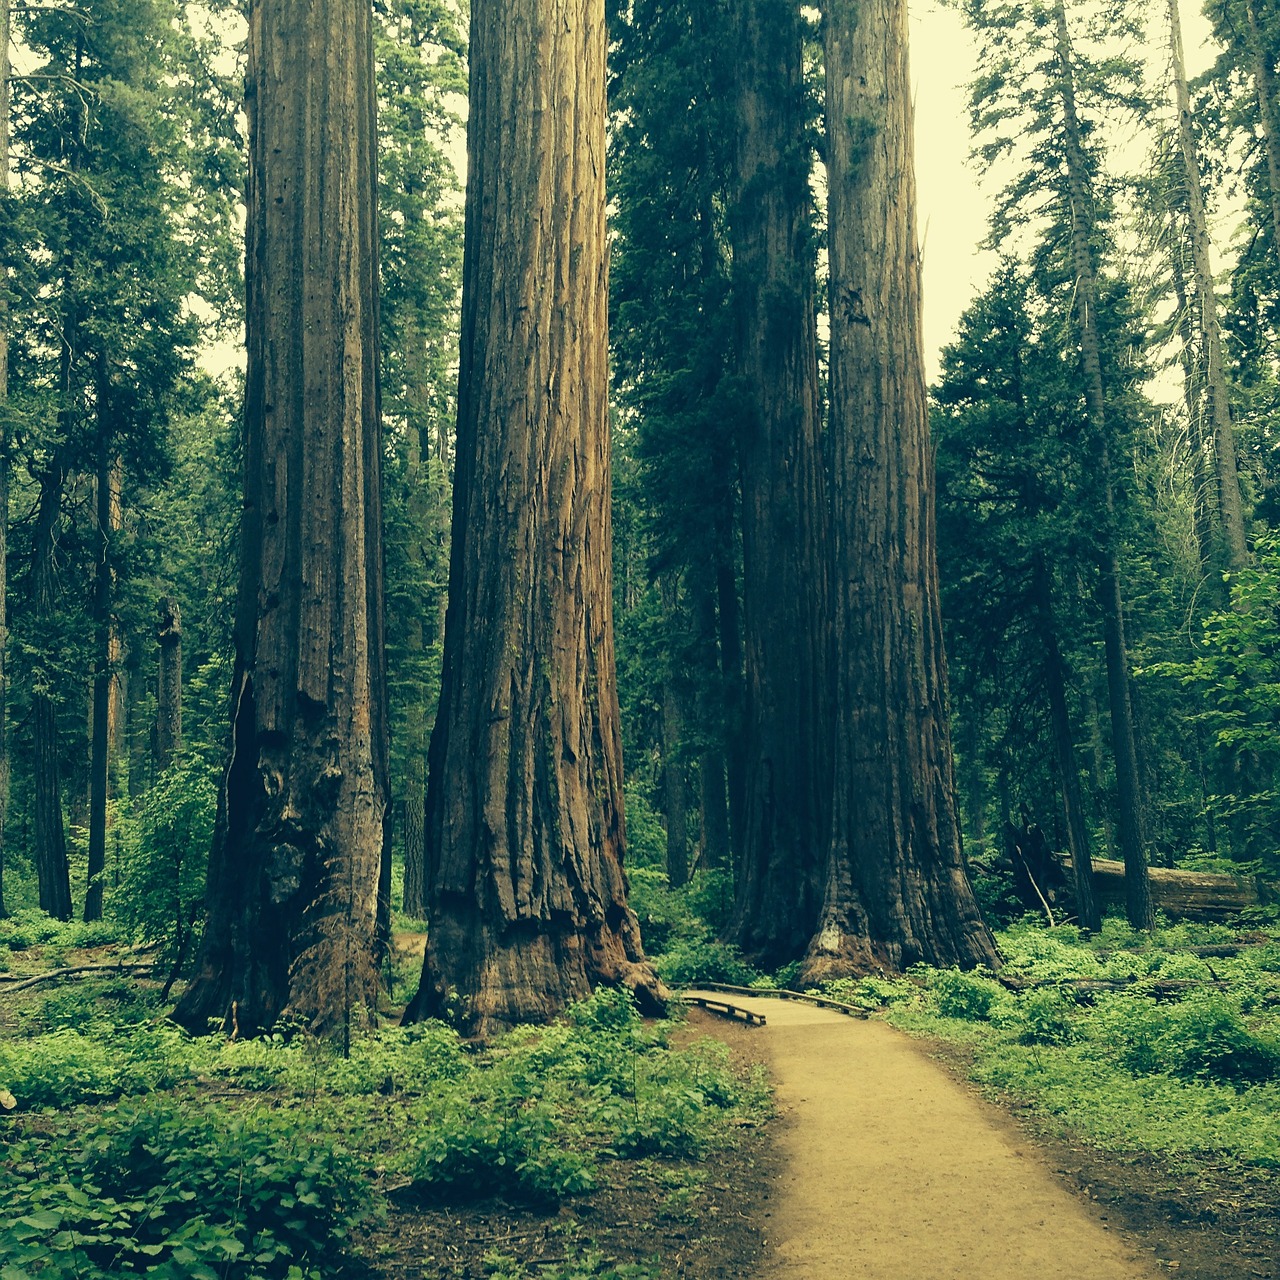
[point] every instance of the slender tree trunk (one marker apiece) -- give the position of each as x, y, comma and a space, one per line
1064, 746
4, 458
784, 524
674, 788
415, 782
525, 825
299, 856
1128, 787
168, 732
713, 795
1193, 398
897, 887
1264, 80
1230, 506
730, 623
106, 642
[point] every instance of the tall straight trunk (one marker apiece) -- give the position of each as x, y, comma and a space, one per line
729, 617
784, 525
674, 787
713, 792
1110, 599
52, 868
1230, 507
1064, 749
414, 901
299, 852
168, 728
106, 644
4, 457
525, 828
1264, 81
1193, 398
897, 887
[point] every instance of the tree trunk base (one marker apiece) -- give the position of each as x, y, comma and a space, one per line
527, 972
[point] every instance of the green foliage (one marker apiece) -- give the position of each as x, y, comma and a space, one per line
181, 1190
163, 873
968, 996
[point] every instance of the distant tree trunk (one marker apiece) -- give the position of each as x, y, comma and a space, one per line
784, 514
713, 794
1064, 747
107, 646
525, 825
4, 457
1128, 787
1230, 508
1264, 81
414, 901
168, 736
674, 789
897, 886
298, 857
730, 622
52, 869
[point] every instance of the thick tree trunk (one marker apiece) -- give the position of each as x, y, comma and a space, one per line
1064, 746
4, 457
1111, 603
784, 504
299, 847
1230, 506
525, 825
168, 732
897, 886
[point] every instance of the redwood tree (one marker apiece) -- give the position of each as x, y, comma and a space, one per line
300, 838
784, 525
897, 886
525, 889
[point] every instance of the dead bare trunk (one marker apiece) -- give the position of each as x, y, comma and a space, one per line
298, 859
897, 886
1230, 507
1110, 599
784, 505
525, 828
168, 736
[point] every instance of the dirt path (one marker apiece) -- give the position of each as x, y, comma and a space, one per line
893, 1171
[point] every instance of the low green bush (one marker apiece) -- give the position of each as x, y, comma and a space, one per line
970, 997
179, 1189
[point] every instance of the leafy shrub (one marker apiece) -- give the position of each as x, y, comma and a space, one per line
1204, 1038
967, 996
181, 1190
704, 960
161, 895
66, 1067
30, 928
1044, 1016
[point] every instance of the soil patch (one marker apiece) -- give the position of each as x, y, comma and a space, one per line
698, 1221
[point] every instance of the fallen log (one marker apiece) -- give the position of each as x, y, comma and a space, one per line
72, 970
1184, 895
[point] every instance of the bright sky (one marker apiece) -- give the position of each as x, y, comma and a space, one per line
952, 201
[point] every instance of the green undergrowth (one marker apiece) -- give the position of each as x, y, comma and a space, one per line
130, 1148
1131, 1042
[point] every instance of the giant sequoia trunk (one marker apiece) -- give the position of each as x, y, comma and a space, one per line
897, 887
1230, 507
784, 525
526, 892
299, 844
1110, 598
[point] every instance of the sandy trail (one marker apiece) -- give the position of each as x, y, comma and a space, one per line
892, 1171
